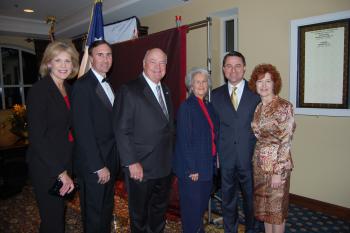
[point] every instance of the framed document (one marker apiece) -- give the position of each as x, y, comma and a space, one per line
320, 65
324, 65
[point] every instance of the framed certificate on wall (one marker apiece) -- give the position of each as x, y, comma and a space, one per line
319, 65
324, 65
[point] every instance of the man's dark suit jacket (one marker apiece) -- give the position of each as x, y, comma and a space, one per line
92, 122
144, 134
193, 150
236, 139
49, 122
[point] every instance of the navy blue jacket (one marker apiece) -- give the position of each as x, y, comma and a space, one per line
193, 149
236, 141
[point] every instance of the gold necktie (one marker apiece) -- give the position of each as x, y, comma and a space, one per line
234, 98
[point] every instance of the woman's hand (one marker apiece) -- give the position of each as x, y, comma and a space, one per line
276, 181
194, 176
68, 184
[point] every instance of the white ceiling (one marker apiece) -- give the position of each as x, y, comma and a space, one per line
72, 16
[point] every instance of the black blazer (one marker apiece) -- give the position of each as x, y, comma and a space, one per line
143, 132
49, 123
92, 122
236, 139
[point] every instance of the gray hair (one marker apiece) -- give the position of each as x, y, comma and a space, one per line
192, 73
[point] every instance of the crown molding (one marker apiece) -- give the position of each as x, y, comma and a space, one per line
14, 25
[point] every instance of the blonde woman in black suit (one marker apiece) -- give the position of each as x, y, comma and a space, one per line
49, 155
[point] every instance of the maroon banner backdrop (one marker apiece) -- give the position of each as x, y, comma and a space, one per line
128, 57
127, 65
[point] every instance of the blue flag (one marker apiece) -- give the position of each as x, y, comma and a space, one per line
96, 25
95, 33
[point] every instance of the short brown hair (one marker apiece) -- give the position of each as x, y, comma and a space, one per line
233, 54
259, 73
97, 43
52, 50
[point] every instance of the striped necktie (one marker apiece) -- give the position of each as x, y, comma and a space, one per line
161, 101
234, 97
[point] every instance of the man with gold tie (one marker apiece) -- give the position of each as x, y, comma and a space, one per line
235, 104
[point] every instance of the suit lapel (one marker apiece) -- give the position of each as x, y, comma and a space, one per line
101, 94
57, 96
147, 91
245, 98
167, 101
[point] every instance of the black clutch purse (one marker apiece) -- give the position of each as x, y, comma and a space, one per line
57, 185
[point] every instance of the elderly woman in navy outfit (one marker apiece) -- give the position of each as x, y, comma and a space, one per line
195, 151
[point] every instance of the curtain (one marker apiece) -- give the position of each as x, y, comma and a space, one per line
127, 65
128, 57
40, 46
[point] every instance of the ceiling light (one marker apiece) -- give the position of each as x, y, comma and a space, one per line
28, 10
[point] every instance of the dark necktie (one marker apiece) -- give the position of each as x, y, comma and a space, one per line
161, 102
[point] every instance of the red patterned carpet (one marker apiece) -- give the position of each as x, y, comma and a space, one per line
19, 214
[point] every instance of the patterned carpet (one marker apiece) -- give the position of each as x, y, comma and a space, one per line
19, 214
301, 220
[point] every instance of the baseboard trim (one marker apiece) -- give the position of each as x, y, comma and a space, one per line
324, 207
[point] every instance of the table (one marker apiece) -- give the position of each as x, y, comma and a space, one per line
13, 168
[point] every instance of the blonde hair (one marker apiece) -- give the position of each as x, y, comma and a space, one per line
52, 50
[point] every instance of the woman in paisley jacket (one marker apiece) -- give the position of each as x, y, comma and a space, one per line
273, 126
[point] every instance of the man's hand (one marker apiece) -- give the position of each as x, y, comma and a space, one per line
103, 175
136, 171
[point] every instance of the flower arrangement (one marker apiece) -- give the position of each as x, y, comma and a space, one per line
18, 121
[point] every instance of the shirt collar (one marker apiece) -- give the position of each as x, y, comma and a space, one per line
239, 86
150, 82
97, 75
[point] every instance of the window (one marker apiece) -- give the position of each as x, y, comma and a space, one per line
229, 35
18, 72
230, 27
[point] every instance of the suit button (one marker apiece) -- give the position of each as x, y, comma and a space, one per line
235, 142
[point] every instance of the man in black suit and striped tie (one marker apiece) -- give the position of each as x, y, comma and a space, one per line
143, 125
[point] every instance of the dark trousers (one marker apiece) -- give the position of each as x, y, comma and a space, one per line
51, 208
148, 203
194, 199
231, 180
97, 203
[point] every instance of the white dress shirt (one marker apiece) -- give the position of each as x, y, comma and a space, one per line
105, 85
153, 87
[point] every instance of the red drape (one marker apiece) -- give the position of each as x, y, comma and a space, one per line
128, 56
127, 65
